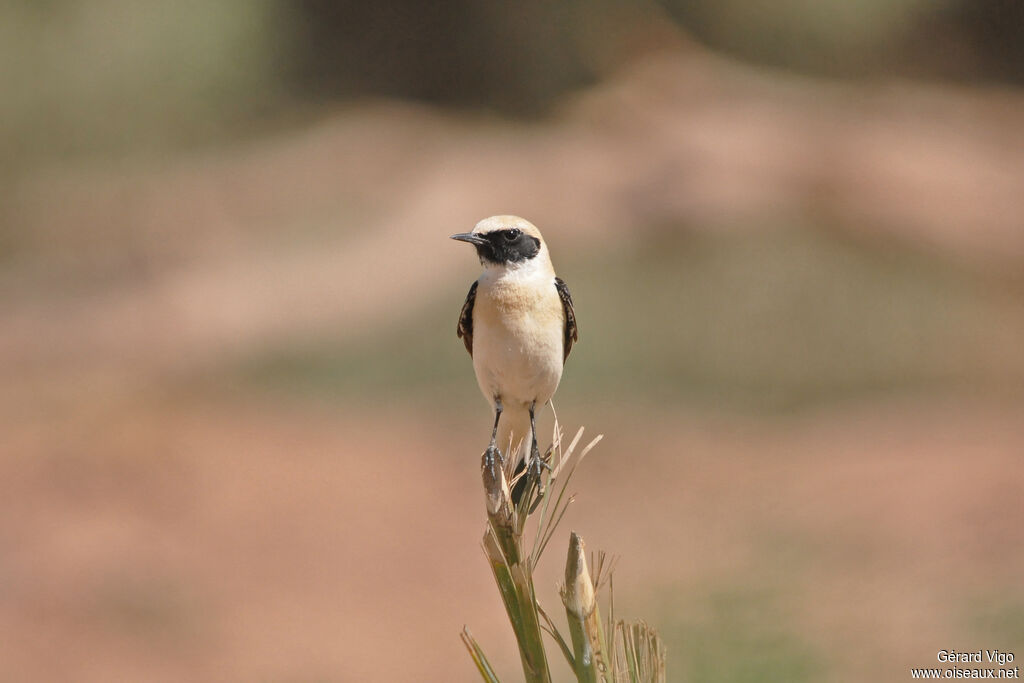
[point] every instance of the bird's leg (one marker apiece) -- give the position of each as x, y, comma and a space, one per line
493, 453
536, 463
534, 451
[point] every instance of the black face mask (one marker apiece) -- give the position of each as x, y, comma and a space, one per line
508, 246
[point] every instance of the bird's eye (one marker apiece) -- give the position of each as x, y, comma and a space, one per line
512, 234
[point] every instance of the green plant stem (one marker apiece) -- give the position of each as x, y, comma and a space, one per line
513, 573
589, 651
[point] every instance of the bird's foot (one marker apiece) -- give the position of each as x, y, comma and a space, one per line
538, 463
492, 457
535, 471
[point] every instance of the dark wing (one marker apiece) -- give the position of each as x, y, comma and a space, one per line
571, 333
465, 328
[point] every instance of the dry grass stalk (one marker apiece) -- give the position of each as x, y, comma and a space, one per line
580, 600
636, 653
513, 571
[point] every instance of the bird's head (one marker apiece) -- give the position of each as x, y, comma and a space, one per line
507, 241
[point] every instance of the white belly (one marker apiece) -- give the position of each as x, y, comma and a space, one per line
517, 359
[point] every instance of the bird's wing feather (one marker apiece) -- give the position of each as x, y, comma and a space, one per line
465, 328
571, 332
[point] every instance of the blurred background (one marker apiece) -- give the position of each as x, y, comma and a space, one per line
239, 440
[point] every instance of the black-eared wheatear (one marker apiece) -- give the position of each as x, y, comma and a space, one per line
518, 325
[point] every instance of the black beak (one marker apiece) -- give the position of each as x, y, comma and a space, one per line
471, 238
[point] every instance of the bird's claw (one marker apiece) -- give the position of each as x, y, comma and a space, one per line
542, 464
492, 456
537, 463
535, 470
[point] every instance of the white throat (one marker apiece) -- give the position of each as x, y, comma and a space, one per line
536, 269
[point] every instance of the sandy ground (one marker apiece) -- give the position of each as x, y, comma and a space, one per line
209, 540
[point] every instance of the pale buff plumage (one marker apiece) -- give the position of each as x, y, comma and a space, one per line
520, 325
518, 335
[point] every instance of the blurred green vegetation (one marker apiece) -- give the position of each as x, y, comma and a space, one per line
774, 321
522, 57
999, 619
115, 77
737, 634
823, 36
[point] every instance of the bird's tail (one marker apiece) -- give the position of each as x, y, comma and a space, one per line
514, 437
514, 429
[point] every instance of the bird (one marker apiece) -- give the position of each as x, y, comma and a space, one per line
519, 325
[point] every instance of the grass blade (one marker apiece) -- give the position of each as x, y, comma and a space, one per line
553, 631
479, 658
